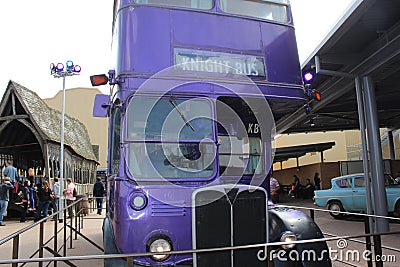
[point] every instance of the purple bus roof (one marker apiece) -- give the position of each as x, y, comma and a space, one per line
150, 39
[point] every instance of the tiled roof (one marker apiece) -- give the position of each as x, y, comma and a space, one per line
49, 122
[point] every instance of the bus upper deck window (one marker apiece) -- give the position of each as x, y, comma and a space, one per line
275, 10
197, 4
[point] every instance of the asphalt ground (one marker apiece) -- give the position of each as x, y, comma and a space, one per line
347, 251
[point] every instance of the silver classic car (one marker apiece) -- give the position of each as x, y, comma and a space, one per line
348, 194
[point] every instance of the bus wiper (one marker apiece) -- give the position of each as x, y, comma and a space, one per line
173, 102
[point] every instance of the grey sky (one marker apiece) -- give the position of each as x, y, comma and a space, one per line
36, 33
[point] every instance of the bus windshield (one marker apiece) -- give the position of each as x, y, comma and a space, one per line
170, 138
198, 4
275, 10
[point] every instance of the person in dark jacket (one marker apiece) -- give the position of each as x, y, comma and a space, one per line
4, 197
317, 181
98, 193
25, 199
297, 185
44, 195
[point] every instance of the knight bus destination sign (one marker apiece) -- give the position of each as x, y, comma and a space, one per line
218, 62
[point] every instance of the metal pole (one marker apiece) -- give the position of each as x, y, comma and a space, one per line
375, 149
65, 234
62, 149
361, 119
76, 225
55, 237
368, 244
15, 250
41, 242
70, 232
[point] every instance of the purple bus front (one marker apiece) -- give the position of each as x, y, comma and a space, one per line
199, 84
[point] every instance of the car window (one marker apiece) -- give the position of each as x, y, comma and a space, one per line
344, 183
359, 182
389, 180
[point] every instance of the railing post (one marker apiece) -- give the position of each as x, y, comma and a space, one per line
368, 244
65, 233
70, 229
312, 214
92, 203
79, 223
15, 250
129, 262
41, 240
378, 250
55, 237
82, 221
76, 224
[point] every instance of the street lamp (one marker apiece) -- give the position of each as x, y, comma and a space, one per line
58, 71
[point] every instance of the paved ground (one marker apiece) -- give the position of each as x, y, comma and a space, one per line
93, 222
29, 241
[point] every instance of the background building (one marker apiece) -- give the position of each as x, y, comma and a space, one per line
79, 104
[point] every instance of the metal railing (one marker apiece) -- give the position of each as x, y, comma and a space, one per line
72, 224
262, 253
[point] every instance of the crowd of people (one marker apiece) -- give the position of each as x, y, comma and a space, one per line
36, 196
296, 189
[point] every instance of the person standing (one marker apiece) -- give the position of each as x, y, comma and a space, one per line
31, 188
274, 189
308, 190
69, 195
57, 197
11, 171
4, 197
297, 185
317, 181
25, 199
39, 177
44, 196
98, 193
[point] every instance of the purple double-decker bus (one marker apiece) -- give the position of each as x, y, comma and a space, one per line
196, 88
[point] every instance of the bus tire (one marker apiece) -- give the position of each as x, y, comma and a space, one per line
109, 245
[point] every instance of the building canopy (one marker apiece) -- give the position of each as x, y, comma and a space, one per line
30, 136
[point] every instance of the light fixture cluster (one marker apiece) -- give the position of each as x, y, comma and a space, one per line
58, 70
309, 91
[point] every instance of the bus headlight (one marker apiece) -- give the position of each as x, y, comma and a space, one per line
138, 200
288, 236
159, 244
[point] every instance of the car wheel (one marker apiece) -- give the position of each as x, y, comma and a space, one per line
335, 208
396, 212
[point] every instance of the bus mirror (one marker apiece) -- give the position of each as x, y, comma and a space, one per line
101, 105
100, 79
